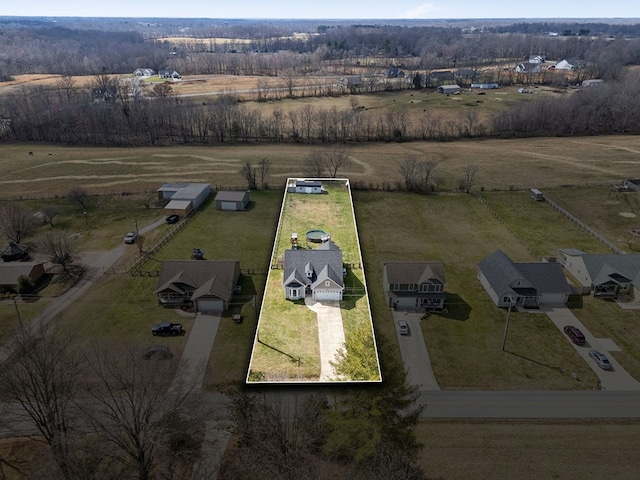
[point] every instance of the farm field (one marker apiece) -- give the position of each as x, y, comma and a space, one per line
501, 165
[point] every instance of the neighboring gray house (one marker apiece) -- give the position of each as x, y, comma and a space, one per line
205, 285
183, 197
523, 284
395, 72
633, 184
537, 59
607, 275
414, 285
318, 272
305, 186
351, 82
232, 200
448, 89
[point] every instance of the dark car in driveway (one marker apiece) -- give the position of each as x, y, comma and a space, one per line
574, 334
172, 219
166, 329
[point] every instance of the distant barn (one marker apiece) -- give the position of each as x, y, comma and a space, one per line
232, 200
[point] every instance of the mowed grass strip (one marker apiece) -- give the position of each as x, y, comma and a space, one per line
288, 330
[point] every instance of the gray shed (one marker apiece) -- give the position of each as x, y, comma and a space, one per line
232, 200
449, 89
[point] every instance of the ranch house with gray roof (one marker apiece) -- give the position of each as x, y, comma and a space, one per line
528, 284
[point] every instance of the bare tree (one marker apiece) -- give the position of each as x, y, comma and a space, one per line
263, 169
162, 90
136, 411
336, 158
60, 249
468, 179
249, 173
410, 171
66, 85
78, 194
315, 164
44, 376
16, 222
428, 169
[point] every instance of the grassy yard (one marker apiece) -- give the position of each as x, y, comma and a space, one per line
286, 347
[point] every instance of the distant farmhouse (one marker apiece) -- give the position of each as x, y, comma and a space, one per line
318, 271
528, 284
144, 72
169, 74
528, 67
183, 198
570, 64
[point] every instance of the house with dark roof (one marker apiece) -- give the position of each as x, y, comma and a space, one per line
606, 275
526, 284
169, 74
318, 272
528, 67
15, 252
144, 72
205, 285
395, 72
409, 285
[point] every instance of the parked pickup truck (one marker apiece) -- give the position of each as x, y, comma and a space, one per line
167, 328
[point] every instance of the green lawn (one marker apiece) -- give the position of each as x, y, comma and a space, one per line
286, 347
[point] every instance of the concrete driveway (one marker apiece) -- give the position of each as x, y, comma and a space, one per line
615, 379
330, 334
415, 355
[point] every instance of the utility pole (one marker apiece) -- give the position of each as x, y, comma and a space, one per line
506, 325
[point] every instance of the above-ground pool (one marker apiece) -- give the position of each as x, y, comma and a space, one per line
317, 236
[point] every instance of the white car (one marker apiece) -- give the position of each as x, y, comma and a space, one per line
403, 327
601, 359
130, 237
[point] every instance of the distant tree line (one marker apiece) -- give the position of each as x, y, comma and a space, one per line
54, 115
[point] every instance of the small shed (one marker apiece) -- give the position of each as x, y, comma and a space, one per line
232, 200
449, 89
536, 195
306, 186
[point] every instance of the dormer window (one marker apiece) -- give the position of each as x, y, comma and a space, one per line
308, 270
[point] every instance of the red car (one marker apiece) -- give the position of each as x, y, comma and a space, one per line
574, 334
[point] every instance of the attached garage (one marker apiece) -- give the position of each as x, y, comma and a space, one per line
327, 295
210, 305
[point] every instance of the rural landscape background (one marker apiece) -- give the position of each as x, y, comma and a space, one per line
86, 142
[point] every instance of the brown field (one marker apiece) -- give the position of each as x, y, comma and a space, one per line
501, 164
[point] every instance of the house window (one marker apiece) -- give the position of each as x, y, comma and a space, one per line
327, 283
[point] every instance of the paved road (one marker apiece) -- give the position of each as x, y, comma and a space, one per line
414, 352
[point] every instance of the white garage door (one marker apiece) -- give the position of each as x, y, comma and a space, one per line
228, 205
210, 306
327, 295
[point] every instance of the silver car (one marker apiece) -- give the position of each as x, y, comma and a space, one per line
601, 359
403, 327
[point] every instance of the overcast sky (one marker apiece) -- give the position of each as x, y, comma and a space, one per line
325, 9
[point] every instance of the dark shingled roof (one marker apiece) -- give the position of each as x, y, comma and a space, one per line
502, 272
323, 263
203, 277
414, 272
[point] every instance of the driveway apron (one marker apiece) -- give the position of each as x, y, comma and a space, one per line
615, 379
330, 334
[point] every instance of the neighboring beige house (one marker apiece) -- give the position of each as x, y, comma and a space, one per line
409, 285
606, 275
205, 285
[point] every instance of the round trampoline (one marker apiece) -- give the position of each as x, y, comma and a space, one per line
317, 236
